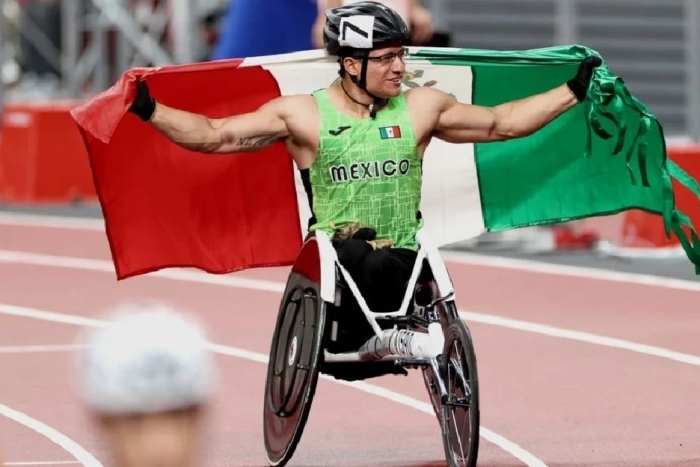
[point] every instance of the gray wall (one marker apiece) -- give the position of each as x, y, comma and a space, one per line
654, 45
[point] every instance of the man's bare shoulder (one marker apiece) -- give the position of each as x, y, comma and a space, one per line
302, 120
294, 105
427, 99
425, 106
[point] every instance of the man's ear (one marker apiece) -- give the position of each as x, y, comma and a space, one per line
352, 66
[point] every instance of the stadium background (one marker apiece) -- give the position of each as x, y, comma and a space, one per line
53, 53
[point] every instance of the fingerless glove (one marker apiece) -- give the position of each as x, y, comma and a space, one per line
144, 105
579, 83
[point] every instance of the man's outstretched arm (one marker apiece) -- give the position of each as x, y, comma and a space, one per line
463, 123
240, 133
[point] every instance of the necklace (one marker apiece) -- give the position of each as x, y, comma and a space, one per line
352, 98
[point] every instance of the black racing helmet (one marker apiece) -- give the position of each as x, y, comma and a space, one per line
355, 29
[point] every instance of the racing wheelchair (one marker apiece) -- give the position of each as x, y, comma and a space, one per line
307, 325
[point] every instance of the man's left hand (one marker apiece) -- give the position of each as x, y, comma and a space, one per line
579, 83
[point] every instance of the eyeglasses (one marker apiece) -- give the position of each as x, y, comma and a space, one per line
388, 59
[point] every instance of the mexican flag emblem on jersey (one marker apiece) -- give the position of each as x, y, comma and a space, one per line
390, 132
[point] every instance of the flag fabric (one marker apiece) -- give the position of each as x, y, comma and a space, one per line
168, 207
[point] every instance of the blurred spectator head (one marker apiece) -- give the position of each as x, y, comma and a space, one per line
147, 378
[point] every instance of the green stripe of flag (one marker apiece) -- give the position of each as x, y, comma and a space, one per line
604, 156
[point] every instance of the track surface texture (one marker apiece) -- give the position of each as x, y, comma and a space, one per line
578, 366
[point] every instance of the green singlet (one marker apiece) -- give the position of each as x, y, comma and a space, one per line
367, 171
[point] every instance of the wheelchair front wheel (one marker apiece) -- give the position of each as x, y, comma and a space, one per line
459, 416
293, 368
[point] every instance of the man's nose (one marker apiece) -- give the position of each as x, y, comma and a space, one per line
398, 65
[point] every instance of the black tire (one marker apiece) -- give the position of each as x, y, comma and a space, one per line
290, 387
460, 439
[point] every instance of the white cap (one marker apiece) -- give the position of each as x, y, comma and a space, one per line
148, 359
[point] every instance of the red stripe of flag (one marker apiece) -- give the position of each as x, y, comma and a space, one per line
165, 206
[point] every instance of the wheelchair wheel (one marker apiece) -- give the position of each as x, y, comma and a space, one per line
297, 349
459, 416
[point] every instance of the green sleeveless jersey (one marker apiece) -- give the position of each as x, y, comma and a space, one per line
367, 171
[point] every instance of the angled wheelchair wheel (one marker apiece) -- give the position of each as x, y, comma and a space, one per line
295, 356
459, 415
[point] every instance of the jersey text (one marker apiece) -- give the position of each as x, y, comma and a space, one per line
369, 170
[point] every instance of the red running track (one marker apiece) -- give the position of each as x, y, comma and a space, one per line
563, 400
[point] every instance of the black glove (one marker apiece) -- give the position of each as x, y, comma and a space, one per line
144, 105
579, 83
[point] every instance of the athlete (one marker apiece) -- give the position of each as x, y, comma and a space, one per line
147, 380
359, 144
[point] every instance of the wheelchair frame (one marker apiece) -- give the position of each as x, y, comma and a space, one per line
426, 251
320, 266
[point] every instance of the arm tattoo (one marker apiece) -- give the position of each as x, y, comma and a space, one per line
256, 141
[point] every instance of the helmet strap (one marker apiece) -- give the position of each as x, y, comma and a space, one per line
362, 84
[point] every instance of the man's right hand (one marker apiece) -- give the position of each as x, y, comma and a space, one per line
144, 105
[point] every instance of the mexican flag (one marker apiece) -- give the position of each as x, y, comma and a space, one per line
165, 206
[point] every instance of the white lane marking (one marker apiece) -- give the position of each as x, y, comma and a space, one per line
14, 349
580, 336
272, 286
473, 259
70, 446
512, 448
42, 463
18, 219
100, 265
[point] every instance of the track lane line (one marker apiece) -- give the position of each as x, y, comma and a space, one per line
16, 219
17, 349
42, 463
77, 451
449, 256
100, 265
15, 257
580, 336
581, 272
505, 444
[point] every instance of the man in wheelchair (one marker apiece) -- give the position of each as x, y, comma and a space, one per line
359, 146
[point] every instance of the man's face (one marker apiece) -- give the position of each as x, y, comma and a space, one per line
385, 69
154, 440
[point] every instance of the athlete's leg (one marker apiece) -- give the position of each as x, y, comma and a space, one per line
384, 277
381, 276
353, 328
352, 254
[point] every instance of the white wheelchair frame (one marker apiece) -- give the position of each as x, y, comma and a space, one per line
317, 271
329, 290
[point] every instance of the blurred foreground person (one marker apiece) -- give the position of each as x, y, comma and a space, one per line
147, 379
